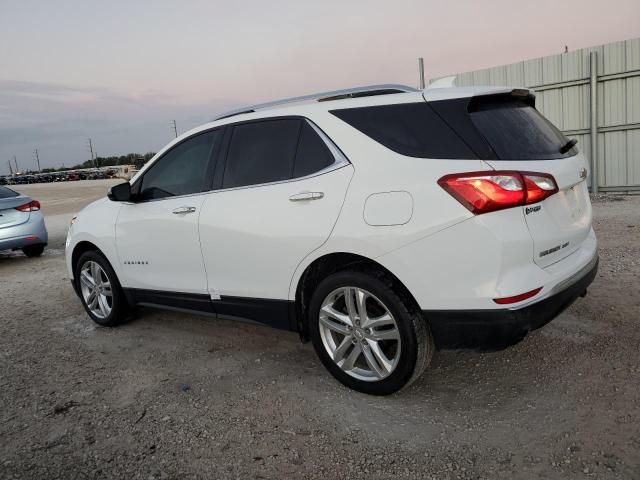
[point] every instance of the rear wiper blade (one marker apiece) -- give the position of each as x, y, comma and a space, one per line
568, 146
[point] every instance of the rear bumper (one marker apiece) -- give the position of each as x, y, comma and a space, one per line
21, 235
497, 329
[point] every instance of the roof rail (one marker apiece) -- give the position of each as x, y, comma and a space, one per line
356, 92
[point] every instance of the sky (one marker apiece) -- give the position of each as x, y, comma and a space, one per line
119, 72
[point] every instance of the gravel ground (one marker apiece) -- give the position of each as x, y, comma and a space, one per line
179, 396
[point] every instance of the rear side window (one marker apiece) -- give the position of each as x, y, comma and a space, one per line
261, 152
7, 192
411, 129
490, 127
516, 130
313, 154
182, 170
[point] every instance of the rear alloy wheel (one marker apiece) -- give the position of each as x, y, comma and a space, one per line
360, 334
99, 290
365, 334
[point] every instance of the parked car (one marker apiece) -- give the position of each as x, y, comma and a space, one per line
381, 223
21, 223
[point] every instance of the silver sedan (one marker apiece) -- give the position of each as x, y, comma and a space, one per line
21, 223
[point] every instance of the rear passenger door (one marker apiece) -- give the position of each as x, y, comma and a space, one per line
280, 188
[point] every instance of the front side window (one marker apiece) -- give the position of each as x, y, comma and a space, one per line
182, 170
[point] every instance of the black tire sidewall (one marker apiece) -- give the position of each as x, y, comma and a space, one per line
409, 349
119, 306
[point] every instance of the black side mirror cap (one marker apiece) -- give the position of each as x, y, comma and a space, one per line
120, 192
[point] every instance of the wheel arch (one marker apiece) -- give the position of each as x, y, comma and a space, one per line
80, 248
331, 263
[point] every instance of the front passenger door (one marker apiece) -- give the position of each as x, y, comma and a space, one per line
157, 235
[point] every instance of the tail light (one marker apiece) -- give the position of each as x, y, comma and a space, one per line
483, 192
32, 206
517, 298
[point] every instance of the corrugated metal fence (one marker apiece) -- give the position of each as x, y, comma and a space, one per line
563, 94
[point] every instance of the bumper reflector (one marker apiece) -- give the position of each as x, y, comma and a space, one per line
517, 298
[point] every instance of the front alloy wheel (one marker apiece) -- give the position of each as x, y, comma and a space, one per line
98, 287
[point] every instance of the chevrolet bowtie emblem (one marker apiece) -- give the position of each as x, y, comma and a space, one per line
583, 173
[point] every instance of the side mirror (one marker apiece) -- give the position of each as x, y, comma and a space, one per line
120, 192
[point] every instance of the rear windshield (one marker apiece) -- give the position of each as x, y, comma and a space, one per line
516, 130
492, 127
7, 192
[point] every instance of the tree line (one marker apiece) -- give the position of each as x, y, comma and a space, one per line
136, 159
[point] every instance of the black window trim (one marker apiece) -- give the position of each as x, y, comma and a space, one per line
214, 157
340, 159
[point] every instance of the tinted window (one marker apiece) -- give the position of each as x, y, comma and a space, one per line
7, 193
182, 170
516, 130
412, 129
313, 154
261, 152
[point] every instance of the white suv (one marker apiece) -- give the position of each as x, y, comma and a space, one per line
381, 223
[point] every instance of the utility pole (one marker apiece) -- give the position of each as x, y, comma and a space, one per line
38, 161
421, 73
175, 128
91, 151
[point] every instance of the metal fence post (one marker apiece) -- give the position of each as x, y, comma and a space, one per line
593, 57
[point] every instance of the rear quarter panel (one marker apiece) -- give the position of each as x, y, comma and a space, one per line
379, 170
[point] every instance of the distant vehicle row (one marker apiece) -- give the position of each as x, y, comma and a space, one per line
56, 177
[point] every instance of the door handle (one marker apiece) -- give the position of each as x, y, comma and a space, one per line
298, 197
183, 210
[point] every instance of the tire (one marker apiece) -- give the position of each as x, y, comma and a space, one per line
404, 340
33, 250
106, 310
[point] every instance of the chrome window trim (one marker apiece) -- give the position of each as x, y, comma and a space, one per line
339, 160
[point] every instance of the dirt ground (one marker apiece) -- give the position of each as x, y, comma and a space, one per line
180, 396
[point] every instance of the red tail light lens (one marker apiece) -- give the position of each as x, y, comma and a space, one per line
517, 298
32, 206
483, 192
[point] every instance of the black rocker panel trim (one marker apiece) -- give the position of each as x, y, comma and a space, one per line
186, 301
274, 313
270, 312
